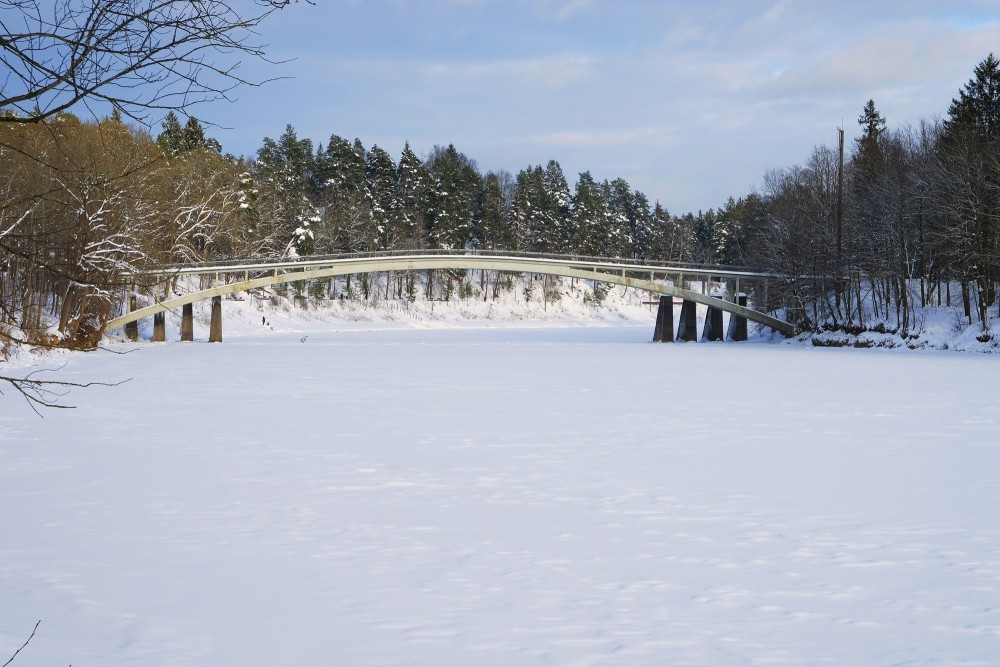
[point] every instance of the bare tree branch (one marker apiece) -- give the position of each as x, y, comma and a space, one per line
42, 393
137, 55
23, 645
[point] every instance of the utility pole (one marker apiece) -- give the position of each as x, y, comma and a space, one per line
840, 219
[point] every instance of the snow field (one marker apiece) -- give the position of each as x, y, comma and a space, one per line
568, 496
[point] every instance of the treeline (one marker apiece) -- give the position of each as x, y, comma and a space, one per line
342, 197
914, 212
909, 214
84, 203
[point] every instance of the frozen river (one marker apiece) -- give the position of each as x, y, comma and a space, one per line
553, 496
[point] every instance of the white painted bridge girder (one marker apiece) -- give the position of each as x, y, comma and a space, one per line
293, 271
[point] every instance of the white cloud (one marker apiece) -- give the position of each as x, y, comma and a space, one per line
558, 70
558, 10
572, 7
910, 53
549, 71
774, 13
598, 138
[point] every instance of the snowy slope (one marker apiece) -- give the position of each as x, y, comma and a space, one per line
933, 328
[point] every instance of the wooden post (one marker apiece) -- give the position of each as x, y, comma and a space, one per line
215, 330
159, 327
664, 332
187, 322
132, 328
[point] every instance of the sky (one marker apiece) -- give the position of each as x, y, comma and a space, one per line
689, 102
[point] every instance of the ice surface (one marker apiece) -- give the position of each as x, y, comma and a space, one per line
554, 496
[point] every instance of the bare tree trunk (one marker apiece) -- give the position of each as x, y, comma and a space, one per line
965, 299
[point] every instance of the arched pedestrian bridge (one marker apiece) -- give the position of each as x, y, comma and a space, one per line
230, 277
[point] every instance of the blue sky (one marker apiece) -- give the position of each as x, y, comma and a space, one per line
689, 102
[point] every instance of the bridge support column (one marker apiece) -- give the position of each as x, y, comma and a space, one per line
737, 324
132, 328
215, 330
187, 322
664, 331
713, 325
159, 327
687, 330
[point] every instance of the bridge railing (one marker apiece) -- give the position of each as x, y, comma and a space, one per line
278, 262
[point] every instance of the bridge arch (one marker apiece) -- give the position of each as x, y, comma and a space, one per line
307, 269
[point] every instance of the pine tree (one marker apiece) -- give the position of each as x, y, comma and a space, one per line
194, 134
629, 220
533, 230
643, 233
171, 139
456, 180
339, 186
705, 239
872, 126
284, 169
386, 204
344, 168
175, 140
413, 183
868, 185
971, 148
977, 108
735, 223
494, 229
556, 204
590, 217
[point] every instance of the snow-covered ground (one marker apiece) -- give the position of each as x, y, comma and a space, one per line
556, 495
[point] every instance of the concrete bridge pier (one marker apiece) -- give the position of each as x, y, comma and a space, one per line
215, 330
132, 328
664, 331
713, 325
159, 327
737, 324
687, 330
187, 322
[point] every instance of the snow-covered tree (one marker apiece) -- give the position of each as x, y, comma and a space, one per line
386, 201
284, 170
456, 180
